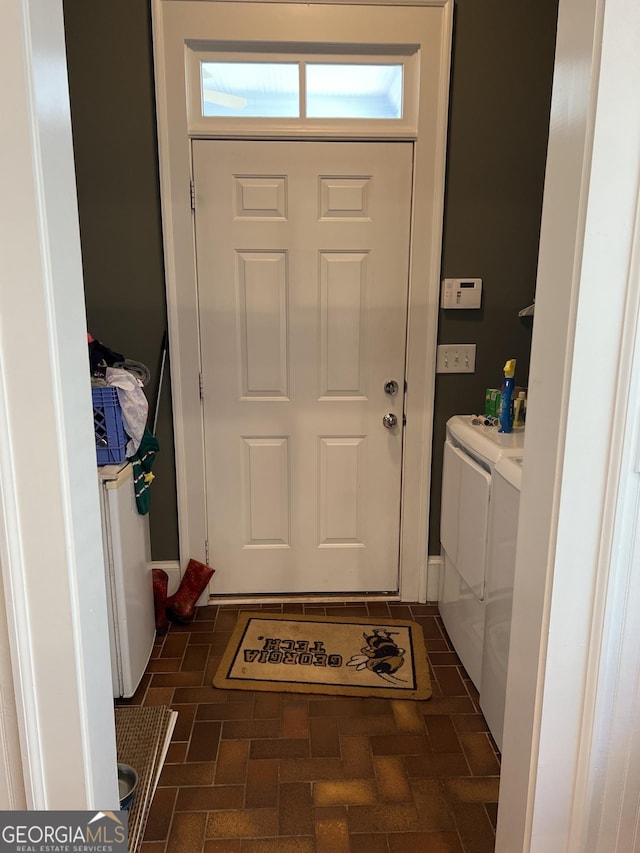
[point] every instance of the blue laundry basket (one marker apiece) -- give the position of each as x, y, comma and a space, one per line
111, 439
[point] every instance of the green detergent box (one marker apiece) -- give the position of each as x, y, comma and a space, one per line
492, 403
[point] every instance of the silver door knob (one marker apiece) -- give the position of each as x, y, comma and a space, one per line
391, 387
390, 420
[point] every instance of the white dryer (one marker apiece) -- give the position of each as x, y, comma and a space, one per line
471, 452
503, 535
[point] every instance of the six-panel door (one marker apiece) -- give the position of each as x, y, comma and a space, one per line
302, 258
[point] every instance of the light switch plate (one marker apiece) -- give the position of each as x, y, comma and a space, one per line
456, 358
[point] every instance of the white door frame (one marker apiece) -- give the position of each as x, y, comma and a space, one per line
50, 534
570, 780
383, 23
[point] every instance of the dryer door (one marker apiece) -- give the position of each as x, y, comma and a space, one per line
466, 492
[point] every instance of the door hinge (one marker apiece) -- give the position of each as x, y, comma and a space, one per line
192, 192
206, 552
201, 385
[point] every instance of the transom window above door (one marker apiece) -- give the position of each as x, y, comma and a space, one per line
318, 90
364, 93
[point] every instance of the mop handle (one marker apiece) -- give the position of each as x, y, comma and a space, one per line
165, 342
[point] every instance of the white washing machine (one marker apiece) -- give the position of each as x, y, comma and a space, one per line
471, 452
503, 534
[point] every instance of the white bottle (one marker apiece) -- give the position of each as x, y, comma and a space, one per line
520, 409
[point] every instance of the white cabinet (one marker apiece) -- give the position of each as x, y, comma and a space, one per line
466, 489
471, 452
501, 563
129, 581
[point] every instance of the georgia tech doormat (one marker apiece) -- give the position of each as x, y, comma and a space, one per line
342, 655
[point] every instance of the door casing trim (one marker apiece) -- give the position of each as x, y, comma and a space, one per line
176, 21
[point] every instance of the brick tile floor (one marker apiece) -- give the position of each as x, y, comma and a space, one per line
296, 773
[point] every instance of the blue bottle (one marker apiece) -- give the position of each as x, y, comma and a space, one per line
506, 397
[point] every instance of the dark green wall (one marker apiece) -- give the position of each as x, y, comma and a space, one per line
503, 55
501, 83
113, 115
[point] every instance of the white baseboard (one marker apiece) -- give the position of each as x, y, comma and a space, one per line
434, 567
172, 568
427, 590
422, 585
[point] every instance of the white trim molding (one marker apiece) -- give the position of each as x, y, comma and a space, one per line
570, 777
434, 570
12, 793
176, 22
436, 3
50, 534
606, 810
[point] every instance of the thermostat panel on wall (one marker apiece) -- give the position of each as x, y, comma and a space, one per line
461, 292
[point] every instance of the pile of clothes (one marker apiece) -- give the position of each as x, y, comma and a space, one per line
129, 378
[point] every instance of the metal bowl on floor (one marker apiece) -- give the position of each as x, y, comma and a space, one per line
127, 783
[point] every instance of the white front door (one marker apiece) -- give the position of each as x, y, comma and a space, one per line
302, 255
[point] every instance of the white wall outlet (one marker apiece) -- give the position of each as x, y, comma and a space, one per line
456, 358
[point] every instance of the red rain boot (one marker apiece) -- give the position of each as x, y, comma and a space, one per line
160, 584
181, 606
